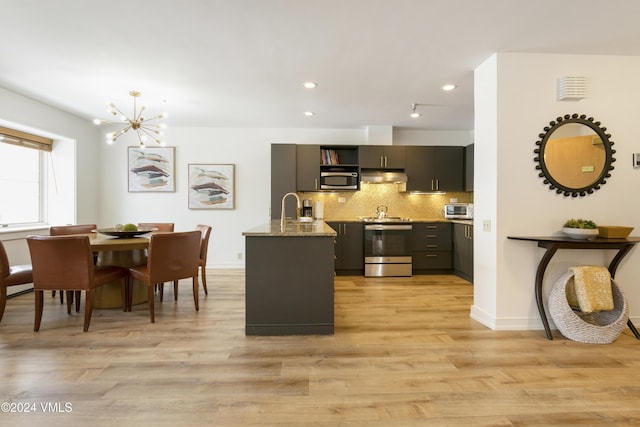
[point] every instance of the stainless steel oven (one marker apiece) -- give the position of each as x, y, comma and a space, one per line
387, 249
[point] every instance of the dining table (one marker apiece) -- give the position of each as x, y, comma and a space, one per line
124, 252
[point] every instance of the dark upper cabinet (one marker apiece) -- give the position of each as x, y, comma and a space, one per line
435, 168
468, 167
307, 167
283, 177
383, 156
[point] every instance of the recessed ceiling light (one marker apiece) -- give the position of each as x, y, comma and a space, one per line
309, 113
310, 85
448, 87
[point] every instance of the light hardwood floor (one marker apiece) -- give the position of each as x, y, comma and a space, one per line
405, 353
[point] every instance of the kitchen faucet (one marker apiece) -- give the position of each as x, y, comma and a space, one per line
283, 220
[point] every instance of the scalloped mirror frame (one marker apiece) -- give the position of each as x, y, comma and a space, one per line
552, 182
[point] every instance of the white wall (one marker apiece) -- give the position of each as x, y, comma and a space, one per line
73, 197
248, 149
509, 119
432, 137
485, 184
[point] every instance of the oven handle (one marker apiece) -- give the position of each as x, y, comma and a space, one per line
384, 227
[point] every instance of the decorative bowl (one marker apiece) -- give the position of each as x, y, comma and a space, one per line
580, 233
614, 231
125, 234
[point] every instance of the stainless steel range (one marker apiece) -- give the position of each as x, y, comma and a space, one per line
387, 247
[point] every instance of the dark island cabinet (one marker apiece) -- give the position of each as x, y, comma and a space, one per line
383, 156
435, 168
463, 250
289, 285
307, 167
349, 250
431, 246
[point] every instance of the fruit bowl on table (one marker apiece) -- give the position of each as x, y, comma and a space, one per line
125, 234
580, 233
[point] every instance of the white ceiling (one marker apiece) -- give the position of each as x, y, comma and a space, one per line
241, 63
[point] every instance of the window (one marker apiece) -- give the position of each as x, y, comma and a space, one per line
21, 177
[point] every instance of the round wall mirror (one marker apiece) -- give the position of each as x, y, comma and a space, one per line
574, 155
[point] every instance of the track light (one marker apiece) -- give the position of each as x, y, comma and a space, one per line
414, 114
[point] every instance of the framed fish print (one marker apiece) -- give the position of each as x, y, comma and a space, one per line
211, 186
152, 169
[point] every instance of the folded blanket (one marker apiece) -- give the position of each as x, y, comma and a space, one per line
590, 289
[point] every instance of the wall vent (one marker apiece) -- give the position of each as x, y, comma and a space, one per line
572, 88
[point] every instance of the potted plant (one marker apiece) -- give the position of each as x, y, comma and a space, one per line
580, 228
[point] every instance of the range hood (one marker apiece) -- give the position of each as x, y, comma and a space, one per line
377, 176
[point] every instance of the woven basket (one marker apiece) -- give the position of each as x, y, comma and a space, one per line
601, 327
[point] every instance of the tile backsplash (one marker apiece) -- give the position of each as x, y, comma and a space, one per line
363, 203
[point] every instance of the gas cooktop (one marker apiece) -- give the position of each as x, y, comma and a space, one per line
387, 219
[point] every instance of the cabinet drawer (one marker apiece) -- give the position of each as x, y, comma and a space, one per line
431, 259
431, 237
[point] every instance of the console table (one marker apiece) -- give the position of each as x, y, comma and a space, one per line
553, 243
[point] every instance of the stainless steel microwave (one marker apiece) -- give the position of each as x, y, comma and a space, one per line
458, 211
338, 180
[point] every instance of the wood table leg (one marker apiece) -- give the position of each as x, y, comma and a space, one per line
544, 262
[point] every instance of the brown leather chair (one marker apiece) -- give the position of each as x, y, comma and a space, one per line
204, 247
161, 226
11, 276
172, 256
65, 230
66, 263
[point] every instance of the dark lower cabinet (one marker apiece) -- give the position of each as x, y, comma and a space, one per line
349, 247
463, 250
431, 247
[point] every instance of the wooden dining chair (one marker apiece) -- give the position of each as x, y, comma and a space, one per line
172, 256
11, 275
65, 230
65, 263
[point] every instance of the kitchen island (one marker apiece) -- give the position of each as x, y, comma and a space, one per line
289, 278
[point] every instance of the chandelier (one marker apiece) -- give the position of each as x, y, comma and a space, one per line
138, 123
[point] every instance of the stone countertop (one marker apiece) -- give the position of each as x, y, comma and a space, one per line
315, 228
461, 221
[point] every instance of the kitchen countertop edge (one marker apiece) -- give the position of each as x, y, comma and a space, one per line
315, 228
